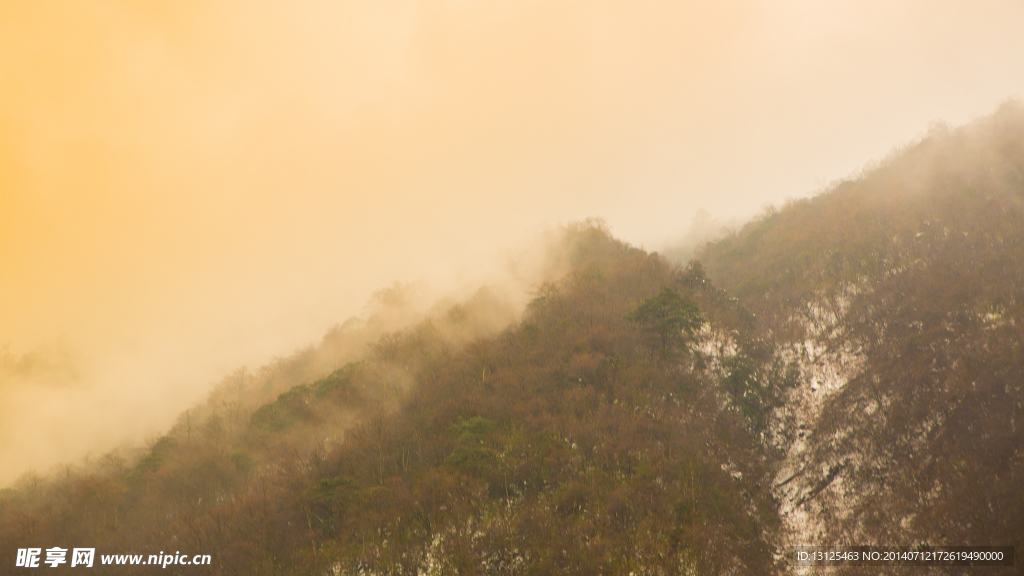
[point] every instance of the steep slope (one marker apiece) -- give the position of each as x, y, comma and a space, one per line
900, 294
845, 370
572, 444
619, 427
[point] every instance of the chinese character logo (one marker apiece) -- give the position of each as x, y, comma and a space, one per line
56, 556
83, 557
28, 557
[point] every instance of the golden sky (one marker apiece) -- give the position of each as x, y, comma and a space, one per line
190, 186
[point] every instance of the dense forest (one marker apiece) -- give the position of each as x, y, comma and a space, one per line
901, 294
846, 369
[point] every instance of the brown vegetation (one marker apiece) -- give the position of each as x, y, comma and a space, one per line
637, 415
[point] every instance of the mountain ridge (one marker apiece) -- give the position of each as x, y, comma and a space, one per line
846, 369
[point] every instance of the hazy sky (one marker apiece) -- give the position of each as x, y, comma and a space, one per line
189, 186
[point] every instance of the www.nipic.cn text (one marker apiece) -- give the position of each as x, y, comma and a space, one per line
85, 557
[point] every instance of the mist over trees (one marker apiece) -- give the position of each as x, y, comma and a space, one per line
912, 273
846, 369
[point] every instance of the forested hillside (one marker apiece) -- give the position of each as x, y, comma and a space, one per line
846, 369
901, 294
592, 436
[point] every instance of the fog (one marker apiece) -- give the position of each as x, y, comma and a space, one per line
191, 187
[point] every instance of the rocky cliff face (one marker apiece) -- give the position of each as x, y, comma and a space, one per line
900, 294
848, 369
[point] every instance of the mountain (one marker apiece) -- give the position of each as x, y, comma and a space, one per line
899, 294
845, 369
